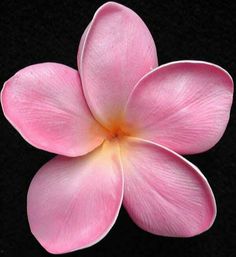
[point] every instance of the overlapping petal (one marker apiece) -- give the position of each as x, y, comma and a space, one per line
73, 202
115, 52
164, 193
182, 105
45, 103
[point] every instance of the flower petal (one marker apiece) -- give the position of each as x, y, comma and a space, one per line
164, 193
45, 103
184, 106
116, 51
81, 44
74, 202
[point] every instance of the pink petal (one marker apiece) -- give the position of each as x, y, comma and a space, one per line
45, 103
74, 202
115, 52
182, 105
164, 193
81, 44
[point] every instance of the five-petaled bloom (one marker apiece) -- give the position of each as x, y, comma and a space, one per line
124, 121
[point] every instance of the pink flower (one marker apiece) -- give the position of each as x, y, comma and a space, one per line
124, 121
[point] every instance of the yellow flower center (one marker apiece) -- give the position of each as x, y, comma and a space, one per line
118, 129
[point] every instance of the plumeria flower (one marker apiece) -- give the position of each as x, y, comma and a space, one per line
118, 126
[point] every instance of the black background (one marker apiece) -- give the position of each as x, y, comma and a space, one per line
39, 31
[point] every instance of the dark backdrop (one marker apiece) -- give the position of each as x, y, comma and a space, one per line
39, 31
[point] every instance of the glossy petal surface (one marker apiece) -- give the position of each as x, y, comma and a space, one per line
115, 52
164, 193
45, 103
73, 202
184, 106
